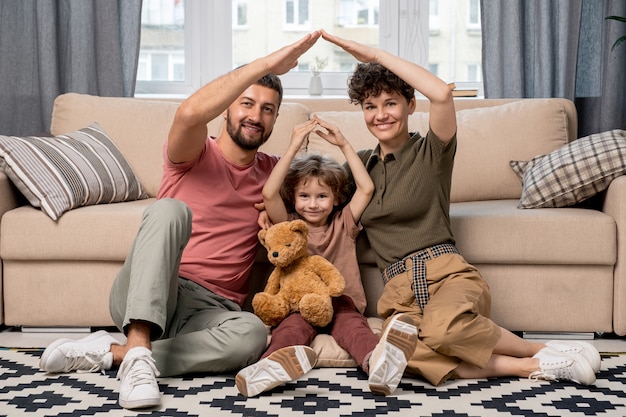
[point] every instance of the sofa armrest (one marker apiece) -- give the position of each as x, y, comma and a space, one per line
10, 197
615, 206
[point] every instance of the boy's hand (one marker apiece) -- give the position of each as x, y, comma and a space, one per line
301, 133
332, 134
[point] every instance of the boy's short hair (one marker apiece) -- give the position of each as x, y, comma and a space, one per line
371, 79
314, 165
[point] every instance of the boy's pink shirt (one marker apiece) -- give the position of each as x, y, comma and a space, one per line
336, 241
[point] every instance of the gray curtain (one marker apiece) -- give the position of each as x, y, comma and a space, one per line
50, 47
558, 48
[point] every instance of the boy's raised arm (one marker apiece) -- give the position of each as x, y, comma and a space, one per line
274, 204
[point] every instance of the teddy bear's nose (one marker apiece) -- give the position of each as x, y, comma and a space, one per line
275, 254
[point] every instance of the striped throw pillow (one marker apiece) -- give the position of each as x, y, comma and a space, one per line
68, 171
574, 172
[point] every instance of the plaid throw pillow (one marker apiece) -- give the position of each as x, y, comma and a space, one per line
574, 172
60, 173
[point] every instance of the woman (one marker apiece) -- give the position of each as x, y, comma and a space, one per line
408, 225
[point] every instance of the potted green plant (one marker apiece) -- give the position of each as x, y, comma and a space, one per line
619, 19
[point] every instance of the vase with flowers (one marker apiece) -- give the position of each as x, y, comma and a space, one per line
315, 84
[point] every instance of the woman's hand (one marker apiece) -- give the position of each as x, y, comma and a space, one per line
362, 53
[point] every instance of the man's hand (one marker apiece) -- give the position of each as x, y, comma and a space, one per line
286, 58
263, 221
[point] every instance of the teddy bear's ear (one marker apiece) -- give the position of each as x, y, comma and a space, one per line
298, 226
261, 235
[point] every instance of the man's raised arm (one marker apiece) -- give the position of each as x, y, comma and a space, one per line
188, 132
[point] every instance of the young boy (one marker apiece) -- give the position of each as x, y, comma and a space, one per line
314, 188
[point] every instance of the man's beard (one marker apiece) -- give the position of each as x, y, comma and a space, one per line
239, 139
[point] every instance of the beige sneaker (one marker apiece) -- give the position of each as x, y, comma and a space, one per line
558, 366
284, 365
391, 355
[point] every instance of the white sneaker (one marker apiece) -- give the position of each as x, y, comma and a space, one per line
586, 350
284, 365
137, 375
391, 355
89, 354
556, 366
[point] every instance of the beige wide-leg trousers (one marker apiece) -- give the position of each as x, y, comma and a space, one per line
455, 325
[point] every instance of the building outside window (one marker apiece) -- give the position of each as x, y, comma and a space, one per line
240, 14
297, 14
187, 43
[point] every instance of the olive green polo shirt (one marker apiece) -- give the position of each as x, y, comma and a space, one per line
410, 208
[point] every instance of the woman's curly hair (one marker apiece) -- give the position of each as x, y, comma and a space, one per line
315, 166
372, 79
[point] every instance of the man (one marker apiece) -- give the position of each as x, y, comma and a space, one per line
178, 296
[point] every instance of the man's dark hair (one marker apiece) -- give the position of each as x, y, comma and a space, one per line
372, 79
272, 81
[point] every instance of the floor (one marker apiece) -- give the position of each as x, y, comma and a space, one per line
40, 338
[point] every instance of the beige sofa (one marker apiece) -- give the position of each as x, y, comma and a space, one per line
550, 270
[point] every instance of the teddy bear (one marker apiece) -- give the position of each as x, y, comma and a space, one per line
300, 281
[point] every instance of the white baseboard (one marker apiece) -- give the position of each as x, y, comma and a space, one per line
558, 335
29, 329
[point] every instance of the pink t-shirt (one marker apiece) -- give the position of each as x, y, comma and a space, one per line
221, 196
336, 242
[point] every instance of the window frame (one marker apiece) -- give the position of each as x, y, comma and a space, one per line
295, 26
354, 20
235, 24
208, 59
471, 25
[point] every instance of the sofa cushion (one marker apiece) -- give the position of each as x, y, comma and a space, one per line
497, 232
139, 127
60, 173
103, 232
331, 355
574, 172
488, 138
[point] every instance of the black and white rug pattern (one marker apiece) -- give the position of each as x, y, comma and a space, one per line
331, 392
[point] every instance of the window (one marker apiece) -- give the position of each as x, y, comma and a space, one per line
240, 14
187, 43
457, 45
473, 15
297, 14
474, 73
358, 13
161, 57
433, 17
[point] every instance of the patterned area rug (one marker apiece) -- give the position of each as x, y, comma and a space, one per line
25, 391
